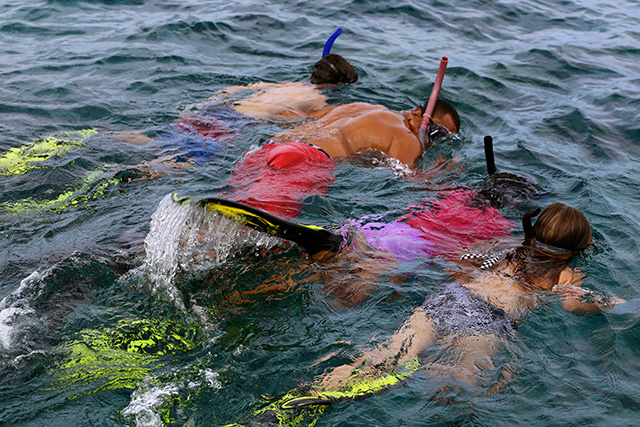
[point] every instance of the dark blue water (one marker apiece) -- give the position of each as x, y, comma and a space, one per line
97, 329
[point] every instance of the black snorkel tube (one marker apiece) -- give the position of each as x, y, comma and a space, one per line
488, 155
428, 111
527, 226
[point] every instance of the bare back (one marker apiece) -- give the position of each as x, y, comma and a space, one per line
348, 129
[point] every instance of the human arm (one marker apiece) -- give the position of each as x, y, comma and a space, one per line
579, 300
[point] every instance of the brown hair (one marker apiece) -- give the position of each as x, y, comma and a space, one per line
333, 69
560, 232
563, 227
444, 108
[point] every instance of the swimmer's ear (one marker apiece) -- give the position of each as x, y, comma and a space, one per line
414, 116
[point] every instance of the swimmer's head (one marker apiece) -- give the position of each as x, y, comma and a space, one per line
444, 114
559, 233
333, 69
564, 227
505, 189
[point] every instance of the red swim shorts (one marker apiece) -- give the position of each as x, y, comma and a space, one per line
278, 176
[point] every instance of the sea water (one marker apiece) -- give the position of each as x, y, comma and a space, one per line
113, 311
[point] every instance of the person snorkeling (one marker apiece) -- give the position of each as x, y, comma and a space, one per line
333, 69
276, 175
468, 317
494, 290
204, 129
353, 259
299, 162
291, 101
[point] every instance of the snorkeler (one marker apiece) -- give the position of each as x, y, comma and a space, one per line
203, 129
468, 317
290, 101
278, 174
355, 257
332, 68
486, 304
299, 162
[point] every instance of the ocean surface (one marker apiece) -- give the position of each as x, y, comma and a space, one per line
117, 309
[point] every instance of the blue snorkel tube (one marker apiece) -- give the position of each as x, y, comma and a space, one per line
329, 43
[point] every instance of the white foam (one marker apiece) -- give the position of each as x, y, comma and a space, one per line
15, 311
145, 402
6, 328
187, 236
211, 377
148, 399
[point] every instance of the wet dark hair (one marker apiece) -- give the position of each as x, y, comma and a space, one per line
444, 108
506, 189
333, 69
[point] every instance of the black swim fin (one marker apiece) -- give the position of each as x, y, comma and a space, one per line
311, 238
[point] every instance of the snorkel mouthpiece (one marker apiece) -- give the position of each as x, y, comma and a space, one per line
422, 132
329, 43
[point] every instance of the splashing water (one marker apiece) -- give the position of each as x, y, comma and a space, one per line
20, 323
189, 237
153, 399
146, 400
161, 246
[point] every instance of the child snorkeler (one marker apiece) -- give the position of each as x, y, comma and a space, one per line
473, 314
469, 317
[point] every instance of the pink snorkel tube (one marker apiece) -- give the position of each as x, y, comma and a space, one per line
426, 117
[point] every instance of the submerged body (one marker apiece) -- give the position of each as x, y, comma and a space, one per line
468, 318
484, 305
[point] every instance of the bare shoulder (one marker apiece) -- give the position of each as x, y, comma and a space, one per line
569, 276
